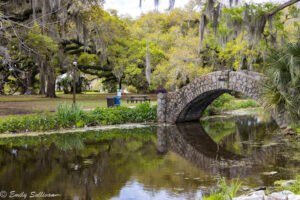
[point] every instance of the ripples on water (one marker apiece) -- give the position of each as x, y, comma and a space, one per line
166, 162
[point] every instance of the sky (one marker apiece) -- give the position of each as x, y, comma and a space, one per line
131, 7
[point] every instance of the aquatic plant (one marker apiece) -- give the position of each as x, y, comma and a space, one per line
227, 192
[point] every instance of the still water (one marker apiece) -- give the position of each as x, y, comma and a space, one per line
166, 162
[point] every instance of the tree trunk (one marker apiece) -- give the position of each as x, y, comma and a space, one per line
29, 84
43, 16
120, 83
51, 82
42, 79
2, 82
33, 6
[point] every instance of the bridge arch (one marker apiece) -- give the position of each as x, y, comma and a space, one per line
189, 103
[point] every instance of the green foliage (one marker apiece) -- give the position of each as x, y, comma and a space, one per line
294, 187
116, 115
219, 102
41, 43
29, 123
132, 89
68, 115
228, 102
88, 59
295, 127
73, 116
129, 62
243, 104
281, 87
227, 191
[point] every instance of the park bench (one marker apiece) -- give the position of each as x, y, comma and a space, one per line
138, 98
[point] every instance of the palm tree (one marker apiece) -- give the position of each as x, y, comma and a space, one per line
282, 85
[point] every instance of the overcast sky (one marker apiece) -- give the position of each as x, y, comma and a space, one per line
131, 7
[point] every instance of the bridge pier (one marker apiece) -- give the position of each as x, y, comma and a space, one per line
162, 99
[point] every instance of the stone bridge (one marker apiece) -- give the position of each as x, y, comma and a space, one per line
188, 103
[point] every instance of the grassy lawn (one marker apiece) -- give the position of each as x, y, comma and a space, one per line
22, 105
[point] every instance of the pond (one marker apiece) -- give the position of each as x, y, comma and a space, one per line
164, 162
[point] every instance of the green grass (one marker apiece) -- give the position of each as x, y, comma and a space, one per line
295, 187
24, 105
68, 116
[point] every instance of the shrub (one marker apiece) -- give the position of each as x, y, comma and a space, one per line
131, 89
112, 115
68, 115
29, 123
145, 112
226, 102
218, 104
116, 115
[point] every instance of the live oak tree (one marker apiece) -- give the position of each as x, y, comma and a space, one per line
37, 37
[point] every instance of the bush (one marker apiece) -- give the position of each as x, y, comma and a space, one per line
68, 116
220, 101
226, 102
91, 91
131, 89
145, 112
218, 104
117, 115
29, 123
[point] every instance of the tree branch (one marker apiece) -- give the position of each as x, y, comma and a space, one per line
267, 16
281, 7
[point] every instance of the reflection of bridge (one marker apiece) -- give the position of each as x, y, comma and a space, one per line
188, 103
191, 142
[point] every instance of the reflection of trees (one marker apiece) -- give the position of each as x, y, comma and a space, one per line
190, 141
69, 141
217, 130
107, 161
100, 169
240, 135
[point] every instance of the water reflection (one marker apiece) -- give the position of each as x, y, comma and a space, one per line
168, 162
190, 141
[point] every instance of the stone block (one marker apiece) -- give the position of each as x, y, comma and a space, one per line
293, 197
281, 195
